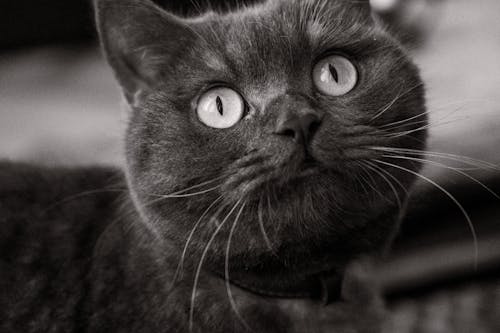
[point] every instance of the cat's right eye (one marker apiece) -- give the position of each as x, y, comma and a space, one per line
220, 107
335, 75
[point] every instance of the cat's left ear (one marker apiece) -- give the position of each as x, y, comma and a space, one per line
140, 40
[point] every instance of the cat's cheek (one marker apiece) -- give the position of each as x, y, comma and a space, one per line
227, 144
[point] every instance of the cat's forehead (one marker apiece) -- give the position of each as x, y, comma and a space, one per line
269, 42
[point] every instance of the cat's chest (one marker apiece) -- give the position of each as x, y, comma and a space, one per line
133, 288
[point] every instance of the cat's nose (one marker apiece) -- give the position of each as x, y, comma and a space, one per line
300, 127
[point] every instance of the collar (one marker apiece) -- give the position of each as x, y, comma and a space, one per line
324, 287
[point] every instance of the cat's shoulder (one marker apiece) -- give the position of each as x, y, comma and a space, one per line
50, 221
50, 204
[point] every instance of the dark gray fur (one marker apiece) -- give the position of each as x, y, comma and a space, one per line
87, 265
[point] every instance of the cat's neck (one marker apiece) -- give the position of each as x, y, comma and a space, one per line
324, 287
320, 281
130, 263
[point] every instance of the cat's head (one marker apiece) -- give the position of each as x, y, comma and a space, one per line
266, 119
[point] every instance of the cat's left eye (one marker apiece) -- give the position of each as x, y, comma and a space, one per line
220, 107
335, 75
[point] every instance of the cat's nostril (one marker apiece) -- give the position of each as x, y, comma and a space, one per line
314, 126
298, 127
288, 132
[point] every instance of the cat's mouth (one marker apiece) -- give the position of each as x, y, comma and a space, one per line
251, 178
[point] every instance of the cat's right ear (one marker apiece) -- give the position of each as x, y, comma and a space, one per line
139, 40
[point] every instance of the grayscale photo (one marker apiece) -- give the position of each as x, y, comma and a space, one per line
260, 166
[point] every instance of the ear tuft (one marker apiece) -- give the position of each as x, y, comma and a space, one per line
139, 39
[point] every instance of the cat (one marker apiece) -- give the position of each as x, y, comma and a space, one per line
247, 202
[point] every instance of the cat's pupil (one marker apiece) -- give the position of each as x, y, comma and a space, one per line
220, 107
333, 72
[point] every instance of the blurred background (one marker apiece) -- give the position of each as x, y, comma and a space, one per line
59, 105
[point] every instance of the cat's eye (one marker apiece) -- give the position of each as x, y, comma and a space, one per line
220, 107
335, 75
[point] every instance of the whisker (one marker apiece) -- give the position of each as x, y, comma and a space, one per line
407, 121
420, 129
172, 196
131, 210
270, 210
449, 195
390, 175
226, 269
390, 105
373, 183
396, 194
261, 224
180, 265
457, 158
125, 190
357, 178
391, 129
475, 180
202, 259
177, 194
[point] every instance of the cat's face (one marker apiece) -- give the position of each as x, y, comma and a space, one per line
270, 115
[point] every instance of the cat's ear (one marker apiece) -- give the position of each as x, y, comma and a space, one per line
362, 6
139, 39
